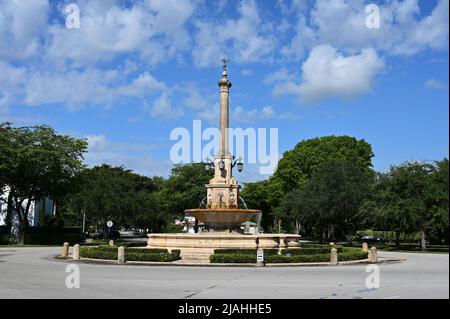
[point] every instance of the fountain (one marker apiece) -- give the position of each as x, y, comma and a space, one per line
222, 217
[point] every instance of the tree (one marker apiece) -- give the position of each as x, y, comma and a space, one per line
35, 162
185, 188
413, 197
331, 199
298, 165
113, 193
439, 230
265, 196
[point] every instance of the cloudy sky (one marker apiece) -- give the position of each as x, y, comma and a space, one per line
135, 70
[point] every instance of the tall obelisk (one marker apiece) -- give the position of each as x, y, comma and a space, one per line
224, 89
223, 188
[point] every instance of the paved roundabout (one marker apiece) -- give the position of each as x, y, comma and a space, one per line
34, 273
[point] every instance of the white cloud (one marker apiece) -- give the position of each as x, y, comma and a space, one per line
74, 88
162, 108
341, 23
89, 87
435, 84
194, 99
11, 79
240, 39
242, 115
154, 29
327, 73
21, 24
432, 31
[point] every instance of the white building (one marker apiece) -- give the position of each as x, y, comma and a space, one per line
33, 215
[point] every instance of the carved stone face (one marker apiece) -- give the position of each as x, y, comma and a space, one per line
220, 197
232, 198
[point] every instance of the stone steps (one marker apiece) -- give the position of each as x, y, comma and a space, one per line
194, 257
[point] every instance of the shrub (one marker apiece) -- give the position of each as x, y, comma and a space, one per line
176, 253
98, 253
235, 251
161, 257
270, 251
233, 258
147, 250
4, 239
352, 254
311, 250
297, 258
135, 254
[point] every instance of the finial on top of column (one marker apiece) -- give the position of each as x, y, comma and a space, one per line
224, 80
225, 61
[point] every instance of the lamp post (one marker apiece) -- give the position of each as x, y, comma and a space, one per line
208, 164
238, 162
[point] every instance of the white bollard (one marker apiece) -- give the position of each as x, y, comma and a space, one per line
334, 257
373, 255
65, 251
121, 255
365, 247
76, 252
260, 257
111, 242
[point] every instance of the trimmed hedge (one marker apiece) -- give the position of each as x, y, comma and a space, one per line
311, 250
249, 251
235, 251
233, 258
135, 254
303, 255
96, 253
352, 254
275, 259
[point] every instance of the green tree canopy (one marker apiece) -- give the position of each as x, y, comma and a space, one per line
185, 188
298, 164
114, 193
331, 198
412, 197
35, 162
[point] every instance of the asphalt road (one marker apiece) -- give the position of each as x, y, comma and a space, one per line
33, 273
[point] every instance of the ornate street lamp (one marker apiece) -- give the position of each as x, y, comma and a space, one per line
240, 165
208, 164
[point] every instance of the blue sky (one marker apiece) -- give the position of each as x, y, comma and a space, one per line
135, 70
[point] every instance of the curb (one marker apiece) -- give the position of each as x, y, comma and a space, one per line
174, 264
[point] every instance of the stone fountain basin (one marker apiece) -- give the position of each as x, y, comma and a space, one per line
210, 241
223, 217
